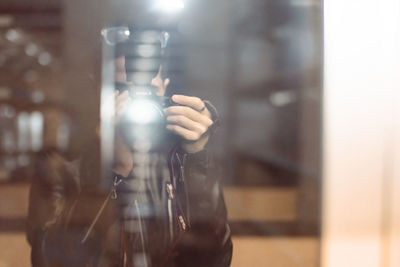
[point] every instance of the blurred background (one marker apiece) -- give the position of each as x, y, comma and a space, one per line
261, 64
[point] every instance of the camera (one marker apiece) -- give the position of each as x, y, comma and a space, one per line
144, 119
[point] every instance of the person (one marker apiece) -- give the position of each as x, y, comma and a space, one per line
160, 208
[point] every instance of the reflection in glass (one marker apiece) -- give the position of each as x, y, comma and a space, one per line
36, 128
258, 62
23, 121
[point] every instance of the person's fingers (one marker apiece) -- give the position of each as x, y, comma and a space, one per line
121, 103
121, 97
162, 87
190, 113
185, 133
121, 109
190, 101
187, 123
166, 82
120, 100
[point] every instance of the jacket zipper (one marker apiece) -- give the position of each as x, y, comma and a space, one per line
186, 190
182, 222
182, 163
180, 218
170, 216
113, 195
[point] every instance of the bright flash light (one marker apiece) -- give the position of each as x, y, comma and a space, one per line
143, 111
170, 6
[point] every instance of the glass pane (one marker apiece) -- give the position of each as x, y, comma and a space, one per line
159, 133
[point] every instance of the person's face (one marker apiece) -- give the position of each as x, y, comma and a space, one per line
157, 81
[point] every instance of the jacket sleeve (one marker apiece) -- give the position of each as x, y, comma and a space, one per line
208, 240
48, 201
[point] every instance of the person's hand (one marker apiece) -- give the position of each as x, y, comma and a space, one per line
123, 158
191, 121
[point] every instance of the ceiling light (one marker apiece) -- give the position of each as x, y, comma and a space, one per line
170, 6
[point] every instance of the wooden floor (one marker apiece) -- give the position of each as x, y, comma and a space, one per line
249, 251
275, 252
14, 250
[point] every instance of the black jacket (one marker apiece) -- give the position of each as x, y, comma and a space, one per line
73, 222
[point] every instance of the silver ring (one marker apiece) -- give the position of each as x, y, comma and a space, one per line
203, 108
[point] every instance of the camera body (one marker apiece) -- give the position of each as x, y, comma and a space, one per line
144, 119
